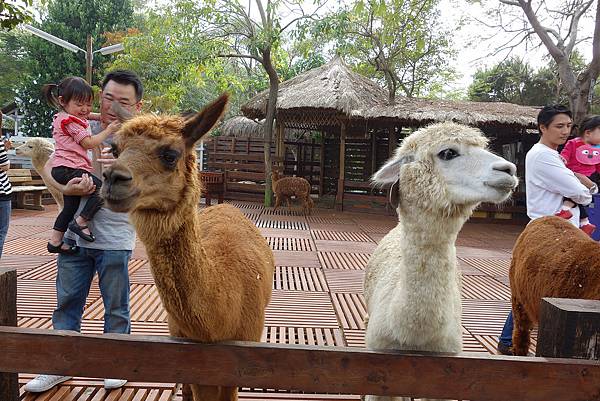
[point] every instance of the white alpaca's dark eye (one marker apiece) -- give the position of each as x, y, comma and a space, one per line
114, 150
448, 154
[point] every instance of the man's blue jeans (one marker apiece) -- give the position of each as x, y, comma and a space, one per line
75, 274
4, 222
506, 335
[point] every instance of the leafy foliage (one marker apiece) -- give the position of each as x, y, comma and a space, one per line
14, 64
70, 20
12, 14
515, 81
399, 42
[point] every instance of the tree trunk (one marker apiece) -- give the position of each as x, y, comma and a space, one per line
269, 122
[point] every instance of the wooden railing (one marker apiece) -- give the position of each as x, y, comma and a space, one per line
300, 368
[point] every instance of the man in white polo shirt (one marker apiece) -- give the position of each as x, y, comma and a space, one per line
548, 181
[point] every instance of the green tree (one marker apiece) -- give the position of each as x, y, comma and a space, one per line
255, 33
14, 64
176, 63
515, 81
71, 20
12, 14
556, 26
400, 42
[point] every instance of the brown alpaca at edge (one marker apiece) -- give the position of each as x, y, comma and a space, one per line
551, 258
286, 187
213, 268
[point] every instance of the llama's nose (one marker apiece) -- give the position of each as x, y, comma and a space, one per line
116, 176
505, 166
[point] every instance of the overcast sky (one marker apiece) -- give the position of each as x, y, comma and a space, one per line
474, 53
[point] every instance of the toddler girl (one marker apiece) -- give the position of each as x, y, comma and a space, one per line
582, 156
72, 135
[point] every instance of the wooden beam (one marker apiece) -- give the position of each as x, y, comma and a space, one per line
569, 328
322, 164
392, 139
339, 197
295, 367
9, 382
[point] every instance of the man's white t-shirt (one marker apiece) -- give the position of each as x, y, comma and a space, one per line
548, 181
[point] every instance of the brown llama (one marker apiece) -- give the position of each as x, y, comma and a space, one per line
286, 187
40, 149
213, 268
551, 258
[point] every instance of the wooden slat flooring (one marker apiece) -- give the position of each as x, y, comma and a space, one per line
317, 290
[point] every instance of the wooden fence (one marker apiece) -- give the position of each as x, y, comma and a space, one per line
300, 368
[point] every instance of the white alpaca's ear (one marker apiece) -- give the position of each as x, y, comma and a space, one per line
390, 171
202, 122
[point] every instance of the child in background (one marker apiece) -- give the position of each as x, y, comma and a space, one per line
73, 138
582, 156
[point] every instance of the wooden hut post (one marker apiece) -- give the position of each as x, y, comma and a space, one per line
322, 165
339, 197
280, 144
392, 139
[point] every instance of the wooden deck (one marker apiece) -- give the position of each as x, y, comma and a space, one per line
317, 290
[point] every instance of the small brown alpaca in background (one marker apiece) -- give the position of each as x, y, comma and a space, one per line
286, 187
213, 268
40, 149
551, 258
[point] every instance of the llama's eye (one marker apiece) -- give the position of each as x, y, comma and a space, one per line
169, 157
585, 152
114, 150
595, 153
448, 154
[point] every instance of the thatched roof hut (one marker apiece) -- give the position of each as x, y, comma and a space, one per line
361, 128
333, 91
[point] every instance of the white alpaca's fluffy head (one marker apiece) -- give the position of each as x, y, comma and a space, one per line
35, 146
446, 168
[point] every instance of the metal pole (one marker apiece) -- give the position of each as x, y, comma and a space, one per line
88, 60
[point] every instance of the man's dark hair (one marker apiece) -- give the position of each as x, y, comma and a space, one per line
589, 123
125, 77
547, 114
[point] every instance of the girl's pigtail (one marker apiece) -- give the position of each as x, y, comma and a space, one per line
50, 96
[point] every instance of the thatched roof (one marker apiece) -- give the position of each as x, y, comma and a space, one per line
423, 111
242, 127
332, 87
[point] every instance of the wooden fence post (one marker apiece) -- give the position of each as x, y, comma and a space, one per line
569, 328
9, 382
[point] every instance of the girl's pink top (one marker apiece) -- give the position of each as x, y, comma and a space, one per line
68, 131
569, 154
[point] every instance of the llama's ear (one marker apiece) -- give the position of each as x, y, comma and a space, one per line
199, 124
394, 194
390, 171
122, 113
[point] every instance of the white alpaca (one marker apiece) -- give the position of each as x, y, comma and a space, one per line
40, 149
412, 286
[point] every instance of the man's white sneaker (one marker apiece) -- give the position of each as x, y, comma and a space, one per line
110, 384
43, 383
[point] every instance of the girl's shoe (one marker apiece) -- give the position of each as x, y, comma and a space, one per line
71, 250
565, 214
588, 229
77, 229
